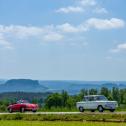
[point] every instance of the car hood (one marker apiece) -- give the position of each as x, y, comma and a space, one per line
107, 101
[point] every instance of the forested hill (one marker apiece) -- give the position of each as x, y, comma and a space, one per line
72, 87
25, 85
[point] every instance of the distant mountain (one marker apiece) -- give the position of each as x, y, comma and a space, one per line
25, 85
2, 81
111, 85
119, 85
72, 87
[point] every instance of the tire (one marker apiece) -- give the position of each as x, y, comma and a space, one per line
81, 109
10, 110
22, 110
34, 111
100, 108
112, 110
92, 110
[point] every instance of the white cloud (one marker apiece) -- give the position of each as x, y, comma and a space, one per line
88, 2
83, 6
21, 31
51, 37
4, 43
67, 28
100, 24
55, 33
103, 24
119, 48
70, 9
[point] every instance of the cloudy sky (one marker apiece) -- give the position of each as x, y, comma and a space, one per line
63, 39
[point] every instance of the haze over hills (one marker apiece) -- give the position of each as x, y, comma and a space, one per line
25, 85
72, 87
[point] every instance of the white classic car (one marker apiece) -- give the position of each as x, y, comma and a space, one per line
96, 102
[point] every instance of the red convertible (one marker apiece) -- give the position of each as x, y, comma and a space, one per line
22, 106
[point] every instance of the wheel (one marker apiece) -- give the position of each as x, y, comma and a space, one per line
100, 108
22, 110
81, 109
10, 110
92, 110
112, 110
34, 110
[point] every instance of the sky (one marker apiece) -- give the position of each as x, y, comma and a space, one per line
63, 39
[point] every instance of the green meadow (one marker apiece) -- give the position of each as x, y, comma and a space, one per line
57, 123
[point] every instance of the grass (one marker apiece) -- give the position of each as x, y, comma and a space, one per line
57, 123
58, 109
68, 117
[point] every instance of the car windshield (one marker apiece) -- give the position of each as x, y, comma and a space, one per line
101, 98
22, 101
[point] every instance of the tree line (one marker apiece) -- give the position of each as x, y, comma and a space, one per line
63, 99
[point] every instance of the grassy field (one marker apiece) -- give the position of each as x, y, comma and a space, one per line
56, 123
67, 117
58, 109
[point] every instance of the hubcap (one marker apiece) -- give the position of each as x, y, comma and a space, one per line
22, 109
100, 108
81, 109
10, 110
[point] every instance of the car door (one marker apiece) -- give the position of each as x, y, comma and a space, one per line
87, 103
90, 103
16, 107
93, 103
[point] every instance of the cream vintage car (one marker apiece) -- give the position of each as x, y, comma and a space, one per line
96, 102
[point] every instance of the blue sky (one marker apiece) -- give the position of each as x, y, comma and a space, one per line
63, 40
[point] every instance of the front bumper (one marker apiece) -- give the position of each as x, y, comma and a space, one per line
110, 106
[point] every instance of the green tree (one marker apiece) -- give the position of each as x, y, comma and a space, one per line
122, 96
81, 94
70, 102
104, 91
116, 94
35, 101
65, 97
93, 92
53, 100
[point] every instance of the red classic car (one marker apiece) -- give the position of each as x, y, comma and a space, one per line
22, 106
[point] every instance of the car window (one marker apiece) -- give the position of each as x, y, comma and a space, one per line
22, 101
88, 98
91, 98
85, 98
101, 98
